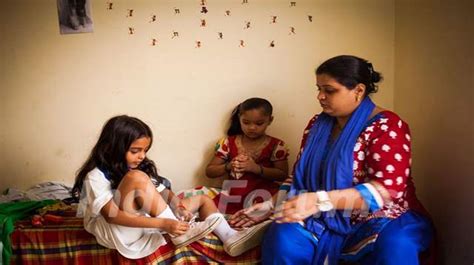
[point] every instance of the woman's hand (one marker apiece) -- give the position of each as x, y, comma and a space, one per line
297, 208
252, 215
173, 227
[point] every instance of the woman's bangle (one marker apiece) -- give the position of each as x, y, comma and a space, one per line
261, 170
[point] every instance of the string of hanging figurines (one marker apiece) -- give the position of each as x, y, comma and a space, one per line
203, 23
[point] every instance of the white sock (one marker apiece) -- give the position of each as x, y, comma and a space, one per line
223, 230
167, 213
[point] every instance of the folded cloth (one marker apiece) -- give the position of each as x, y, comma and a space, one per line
48, 190
12, 194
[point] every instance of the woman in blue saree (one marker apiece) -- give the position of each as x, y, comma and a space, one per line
351, 197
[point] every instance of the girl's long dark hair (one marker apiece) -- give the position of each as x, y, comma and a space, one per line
249, 104
110, 150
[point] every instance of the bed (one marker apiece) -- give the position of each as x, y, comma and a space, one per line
69, 243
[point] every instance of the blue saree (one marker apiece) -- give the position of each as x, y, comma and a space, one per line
316, 172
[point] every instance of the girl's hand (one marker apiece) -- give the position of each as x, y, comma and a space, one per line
173, 227
183, 214
244, 163
235, 164
252, 215
297, 208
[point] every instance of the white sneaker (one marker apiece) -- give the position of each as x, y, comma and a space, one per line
197, 231
246, 239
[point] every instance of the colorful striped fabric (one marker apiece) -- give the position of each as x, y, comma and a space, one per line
200, 190
68, 243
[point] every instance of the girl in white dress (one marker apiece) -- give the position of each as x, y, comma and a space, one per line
126, 206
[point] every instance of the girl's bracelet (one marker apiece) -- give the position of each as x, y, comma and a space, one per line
261, 170
226, 167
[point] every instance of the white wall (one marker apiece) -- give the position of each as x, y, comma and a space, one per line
434, 69
58, 90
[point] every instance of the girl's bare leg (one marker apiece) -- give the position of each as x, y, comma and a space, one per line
201, 203
137, 193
